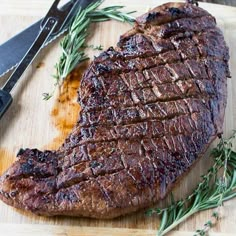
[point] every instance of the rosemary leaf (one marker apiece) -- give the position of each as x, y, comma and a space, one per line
46, 96
99, 47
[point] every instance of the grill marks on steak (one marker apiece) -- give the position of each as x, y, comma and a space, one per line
163, 75
150, 108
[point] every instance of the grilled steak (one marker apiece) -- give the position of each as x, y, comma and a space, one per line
149, 109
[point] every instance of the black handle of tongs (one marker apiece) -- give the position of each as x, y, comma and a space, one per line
5, 102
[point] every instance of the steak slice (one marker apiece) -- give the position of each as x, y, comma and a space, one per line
149, 109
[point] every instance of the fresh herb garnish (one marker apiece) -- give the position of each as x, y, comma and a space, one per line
210, 193
73, 44
99, 47
47, 96
208, 225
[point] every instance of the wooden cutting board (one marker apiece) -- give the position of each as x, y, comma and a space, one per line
32, 122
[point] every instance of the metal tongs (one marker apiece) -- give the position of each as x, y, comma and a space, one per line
53, 23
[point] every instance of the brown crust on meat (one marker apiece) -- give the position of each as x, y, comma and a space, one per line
149, 110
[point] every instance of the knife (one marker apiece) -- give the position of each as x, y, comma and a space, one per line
41, 33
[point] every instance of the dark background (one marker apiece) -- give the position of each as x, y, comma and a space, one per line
226, 2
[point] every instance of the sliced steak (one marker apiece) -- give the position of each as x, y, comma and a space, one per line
149, 109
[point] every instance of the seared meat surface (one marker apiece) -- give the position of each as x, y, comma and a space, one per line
149, 109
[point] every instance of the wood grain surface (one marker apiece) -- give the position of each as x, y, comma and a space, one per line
32, 122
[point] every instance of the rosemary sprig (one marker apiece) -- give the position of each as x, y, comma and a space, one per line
206, 195
73, 44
